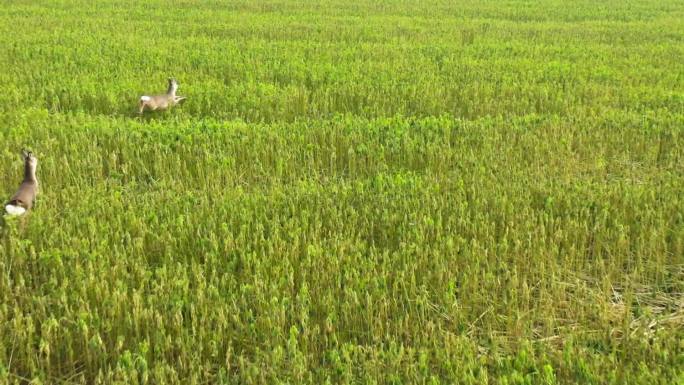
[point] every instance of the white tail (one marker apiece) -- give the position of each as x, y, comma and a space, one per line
145, 98
14, 210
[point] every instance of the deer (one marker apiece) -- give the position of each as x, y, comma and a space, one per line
161, 101
24, 198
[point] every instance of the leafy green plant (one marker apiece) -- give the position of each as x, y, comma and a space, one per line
354, 192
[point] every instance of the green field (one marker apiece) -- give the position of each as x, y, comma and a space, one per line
354, 192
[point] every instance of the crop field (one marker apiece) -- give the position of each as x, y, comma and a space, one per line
353, 192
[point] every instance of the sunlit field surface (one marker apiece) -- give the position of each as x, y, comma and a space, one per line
354, 192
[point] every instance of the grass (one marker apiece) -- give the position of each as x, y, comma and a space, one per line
354, 192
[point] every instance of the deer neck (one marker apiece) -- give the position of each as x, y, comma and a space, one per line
29, 173
172, 91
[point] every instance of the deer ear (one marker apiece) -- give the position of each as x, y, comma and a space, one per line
24, 153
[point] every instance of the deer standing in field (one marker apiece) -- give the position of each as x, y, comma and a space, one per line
23, 200
162, 101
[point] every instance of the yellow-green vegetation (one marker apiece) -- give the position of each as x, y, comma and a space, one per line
375, 192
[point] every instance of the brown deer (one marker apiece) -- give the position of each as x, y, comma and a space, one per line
23, 200
162, 101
